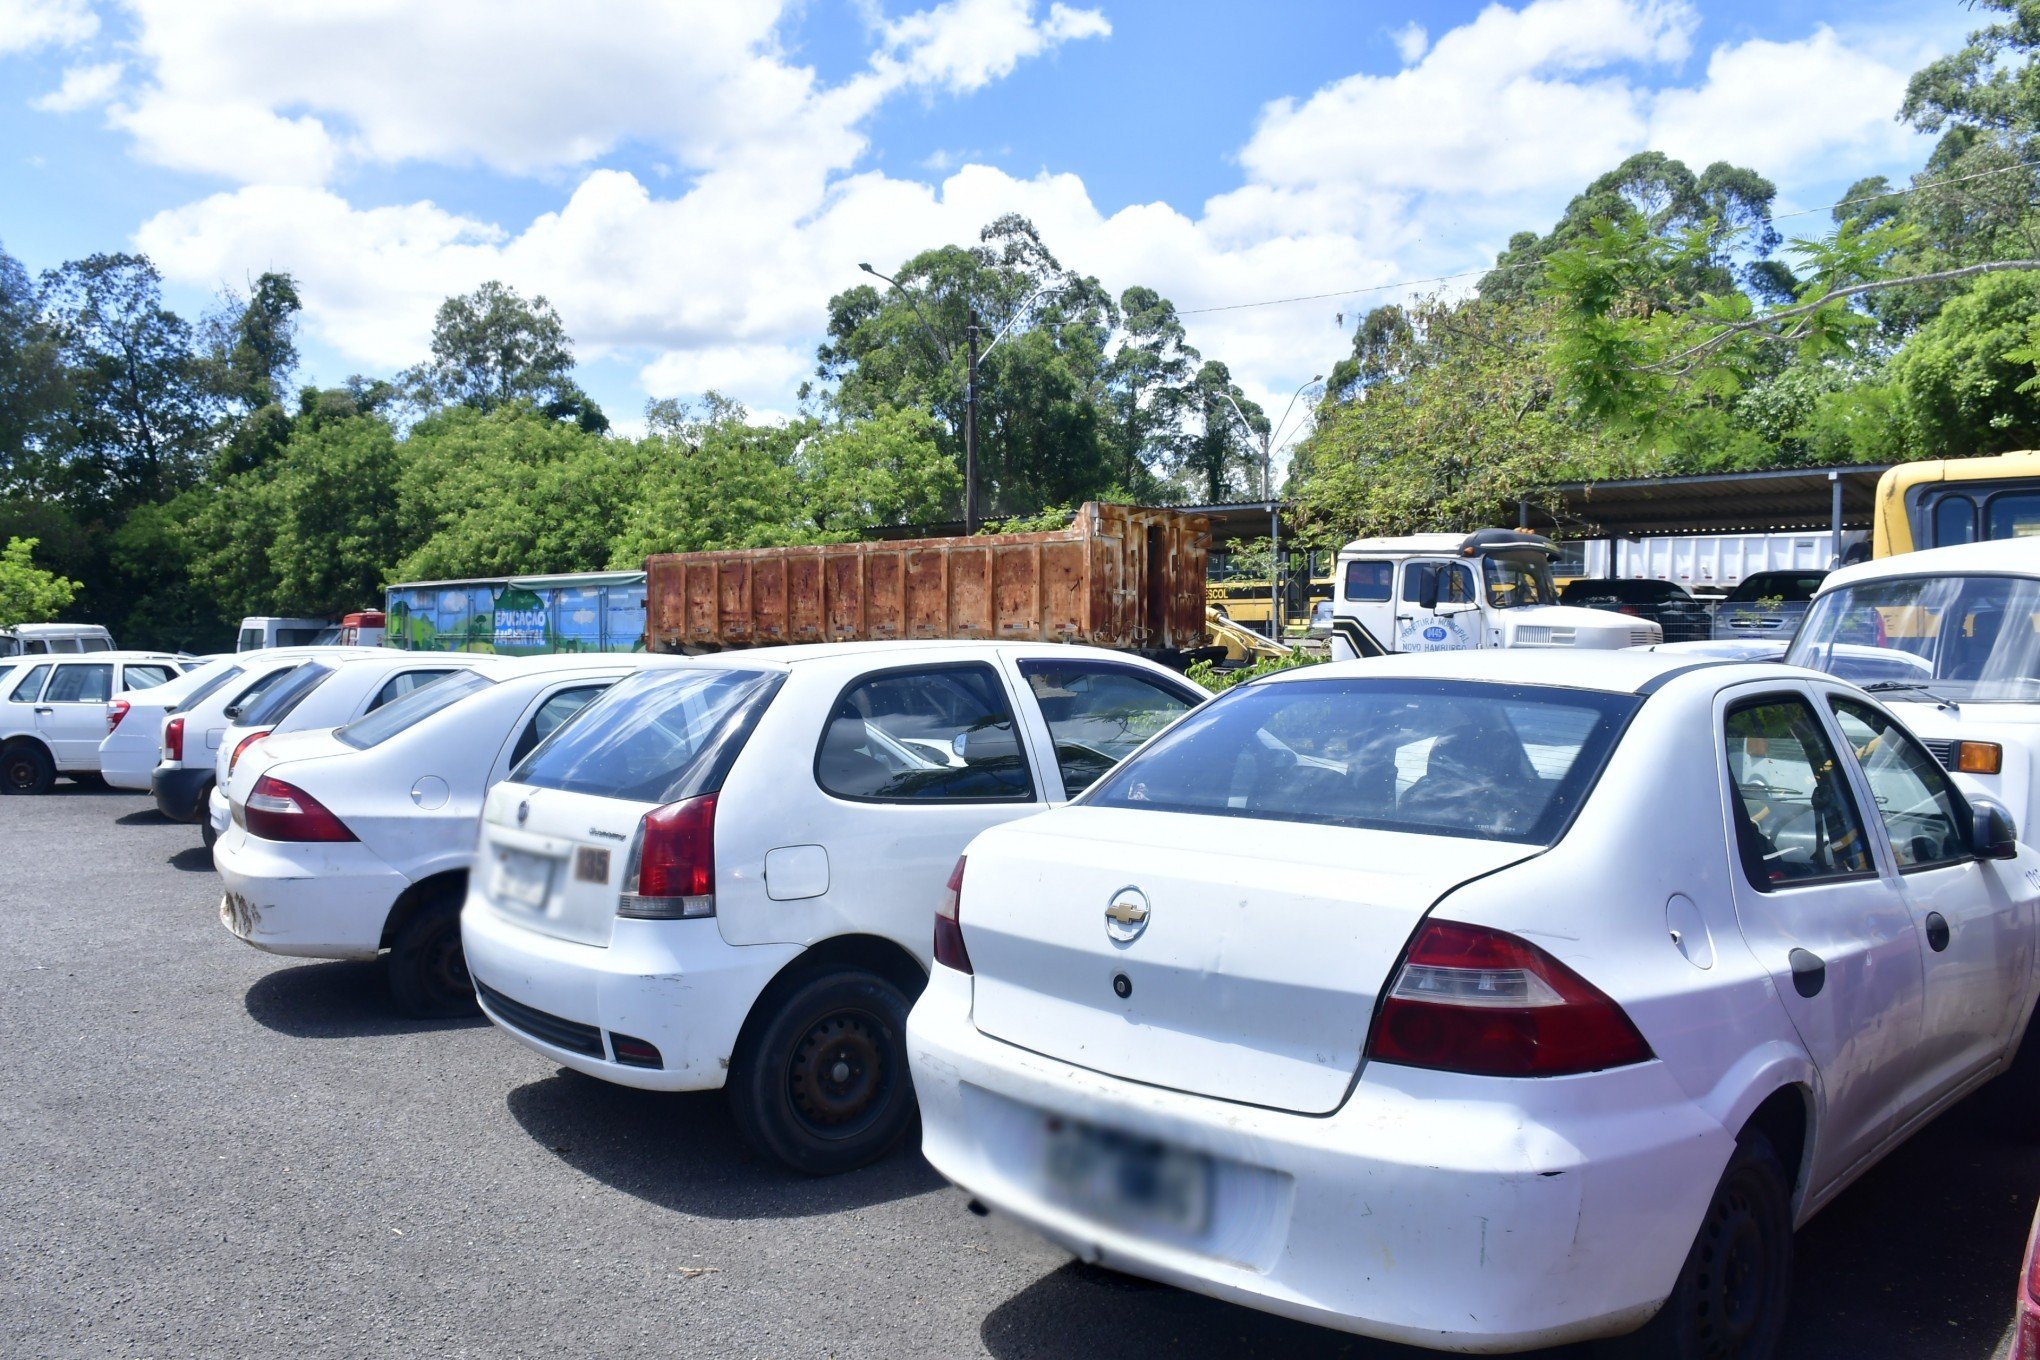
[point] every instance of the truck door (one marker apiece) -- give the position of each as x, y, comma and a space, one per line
1439, 607
1363, 609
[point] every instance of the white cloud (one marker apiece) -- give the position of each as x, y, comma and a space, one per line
82, 87
1411, 41
28, 24
964, 45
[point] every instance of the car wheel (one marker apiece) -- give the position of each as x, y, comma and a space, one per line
1730, 1299
822, 1083
89, 779
26, 768
205, 829
427, 971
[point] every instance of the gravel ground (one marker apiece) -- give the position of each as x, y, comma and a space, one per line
212, 1152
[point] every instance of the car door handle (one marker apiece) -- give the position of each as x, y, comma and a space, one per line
45, 710
1937, 931
1809, 972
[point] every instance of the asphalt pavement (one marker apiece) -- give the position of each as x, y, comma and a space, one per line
209, 1151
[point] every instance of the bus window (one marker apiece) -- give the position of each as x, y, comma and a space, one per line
1954, 521
2012, 514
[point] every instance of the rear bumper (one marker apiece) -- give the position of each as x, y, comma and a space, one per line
1430, 1209
217, 812
180, 792
128, 765
322, 901
674, 984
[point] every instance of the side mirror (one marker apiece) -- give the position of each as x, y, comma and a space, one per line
1991, 832
1427, 592
232, 712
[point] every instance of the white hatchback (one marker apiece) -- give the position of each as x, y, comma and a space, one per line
55, 712
354, 842
1478, 1002
129, 751
719, 876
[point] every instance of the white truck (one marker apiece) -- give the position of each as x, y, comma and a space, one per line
1950, 639
1461, 592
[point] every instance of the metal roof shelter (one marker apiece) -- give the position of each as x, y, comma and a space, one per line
1817, 498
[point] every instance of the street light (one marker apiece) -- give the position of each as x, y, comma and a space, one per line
970, 402
1268, 495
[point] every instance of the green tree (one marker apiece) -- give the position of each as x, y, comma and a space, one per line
887, 469
1221, 461
491, 348
1967, 376
31, 381
248, 348
28, 594
1149, 384
711, 481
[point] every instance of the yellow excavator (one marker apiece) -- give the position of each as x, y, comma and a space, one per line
1243, 646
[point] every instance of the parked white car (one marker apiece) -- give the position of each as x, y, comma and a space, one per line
55, 713
354, 842
128, 755
720, 874
336, 687
1560, 990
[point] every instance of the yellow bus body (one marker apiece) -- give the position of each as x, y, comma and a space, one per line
1902, 522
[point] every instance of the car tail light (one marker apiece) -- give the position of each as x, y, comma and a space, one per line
949, 950
671, 874
173, 739
1979, 757
1470, 999
277, 811
243, 744
2026, 1322
115, 711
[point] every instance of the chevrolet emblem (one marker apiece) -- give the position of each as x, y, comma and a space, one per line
1126, 915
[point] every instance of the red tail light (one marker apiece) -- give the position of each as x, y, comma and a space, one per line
949, 950
242, 745
115, 711
671, 873
277, 811
2026, 1321
173, 740
1470, 999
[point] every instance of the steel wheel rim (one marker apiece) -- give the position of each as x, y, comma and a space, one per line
20, 773
1731, 1276
445, 966
842, 1074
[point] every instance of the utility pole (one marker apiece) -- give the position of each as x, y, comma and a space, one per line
970, 428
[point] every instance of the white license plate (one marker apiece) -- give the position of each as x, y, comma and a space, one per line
1128, 1180
522, 879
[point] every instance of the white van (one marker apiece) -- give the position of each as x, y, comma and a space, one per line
43, 639
1950, 638
261, 631
1463, 592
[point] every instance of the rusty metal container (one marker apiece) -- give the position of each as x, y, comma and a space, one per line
1120, 576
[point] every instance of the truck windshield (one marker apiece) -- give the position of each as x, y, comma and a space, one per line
1515, 579
1970, 637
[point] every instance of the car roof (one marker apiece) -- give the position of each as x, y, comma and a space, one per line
1630, 671
99, 656
928, 649
2010, 556
505, 667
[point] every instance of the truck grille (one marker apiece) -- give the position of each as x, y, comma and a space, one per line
550, 1029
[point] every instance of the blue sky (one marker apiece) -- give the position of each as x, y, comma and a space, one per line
689, 180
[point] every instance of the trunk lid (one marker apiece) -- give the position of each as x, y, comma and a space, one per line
1253, 977
559, 869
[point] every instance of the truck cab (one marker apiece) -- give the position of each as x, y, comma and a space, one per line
1949, 638
1463, 592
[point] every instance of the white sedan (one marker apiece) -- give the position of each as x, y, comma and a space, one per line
354, 843
1478, 1002
719, 876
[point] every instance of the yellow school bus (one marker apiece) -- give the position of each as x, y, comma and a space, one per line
1238, 584
1945, 501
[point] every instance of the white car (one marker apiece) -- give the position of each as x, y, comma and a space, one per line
128, 754
354, 842
336, 687
55, 712
1477, 1002
719, 875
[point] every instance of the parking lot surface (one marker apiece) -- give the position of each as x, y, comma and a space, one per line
210, 1151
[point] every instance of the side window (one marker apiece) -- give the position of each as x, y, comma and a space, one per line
1413, 577
397, 686
145, 677
1795, 820
1096, 714
1913, 796
29, 687
96, 644
944, 734
1455, 584
1954, 521
551, 714
1369, 581
251, 639
37, 646
80, 685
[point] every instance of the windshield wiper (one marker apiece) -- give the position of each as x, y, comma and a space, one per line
1891, 686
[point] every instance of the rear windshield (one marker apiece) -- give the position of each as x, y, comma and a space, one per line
1435, 757
416, 706
654, 737
1791, 587
206, 689
281, 696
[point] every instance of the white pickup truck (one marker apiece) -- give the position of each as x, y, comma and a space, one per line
1462, 592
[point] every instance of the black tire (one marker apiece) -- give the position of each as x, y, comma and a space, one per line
820, 1082
205, 829
26, 768
427, 972
1733, 1291
89, 779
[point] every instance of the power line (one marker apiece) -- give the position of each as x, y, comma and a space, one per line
1533, 264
